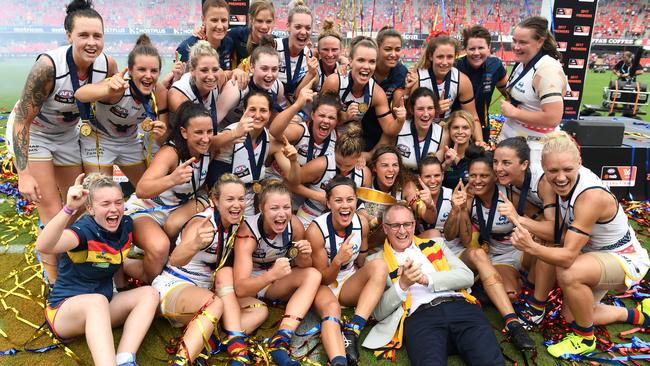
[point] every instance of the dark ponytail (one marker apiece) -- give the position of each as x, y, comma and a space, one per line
79, 8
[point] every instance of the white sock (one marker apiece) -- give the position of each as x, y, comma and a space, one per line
124, 357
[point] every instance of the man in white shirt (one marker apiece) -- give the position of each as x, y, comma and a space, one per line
426, 298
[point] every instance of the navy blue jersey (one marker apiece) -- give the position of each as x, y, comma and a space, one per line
484, 81
224, 51
455, 172
372, 131
239, 36
89, 267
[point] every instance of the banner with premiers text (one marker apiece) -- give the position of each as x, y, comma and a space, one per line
573, 24
238, 11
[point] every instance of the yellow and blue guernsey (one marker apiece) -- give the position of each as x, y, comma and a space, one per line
89, 267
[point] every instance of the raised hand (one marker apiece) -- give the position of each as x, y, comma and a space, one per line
521, 238
410, 273
425, 194
507, 209
77, 194
117, 84
459, 196
203, 234
281, 268
352, 113
244, 126
306, 94
345, 252
183, 173
289, 150
445, 104
451, 154
400, 112
240, 77
304, 247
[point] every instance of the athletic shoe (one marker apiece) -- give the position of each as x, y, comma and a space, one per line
572, 344
527, 315
519, 337
350, 341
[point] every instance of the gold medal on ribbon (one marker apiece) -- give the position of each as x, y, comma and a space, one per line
363, 107
257, 188
293, 251
85, 129
147, 124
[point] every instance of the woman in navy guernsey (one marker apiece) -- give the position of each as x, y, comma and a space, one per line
294, 50
170, 191
421, 135
536, 86
273, 261
123, 103
484, 71
196, 286
265, 66
201, 85
359, 91
316, 174
459, 131
486, 235
92, 250
339, 248
595, 250
245, 146
42, 129
436, 71
261, 18
390, 74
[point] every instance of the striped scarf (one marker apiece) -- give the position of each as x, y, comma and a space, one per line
435, 255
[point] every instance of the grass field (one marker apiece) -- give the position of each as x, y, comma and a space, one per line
14, 268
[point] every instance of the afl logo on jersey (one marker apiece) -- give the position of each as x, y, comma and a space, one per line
119, 111
403, 150
65, 96
303, 149
241, 171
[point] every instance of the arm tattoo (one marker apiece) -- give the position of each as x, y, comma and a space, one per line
36, 91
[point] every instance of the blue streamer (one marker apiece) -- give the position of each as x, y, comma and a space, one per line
443, 12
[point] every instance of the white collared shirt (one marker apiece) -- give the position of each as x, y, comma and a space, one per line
419, 294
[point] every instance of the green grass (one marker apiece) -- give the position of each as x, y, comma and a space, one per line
152, 352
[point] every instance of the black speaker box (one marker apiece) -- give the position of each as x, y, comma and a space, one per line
596, 131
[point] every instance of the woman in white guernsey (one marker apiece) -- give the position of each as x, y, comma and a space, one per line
485, 234
330, 60
265, 66
536, 86
246, 145
318, 172
435, 206
388, 173
359, 91
339, 247
123, 103
189, 282
42, 128
201, 85
170, 189
273, 262
421, 135
599, 250
453, 89
314, 138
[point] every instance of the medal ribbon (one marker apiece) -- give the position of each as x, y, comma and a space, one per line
291, 81
348, 90
447, 86
510, 84
416, 142
485, 228
256, 165
332, 237
312, 144
213, 104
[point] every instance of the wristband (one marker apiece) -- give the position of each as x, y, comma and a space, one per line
68, 211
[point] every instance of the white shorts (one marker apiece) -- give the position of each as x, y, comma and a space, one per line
165, 283
337, 285
261, 294
62, 149
123, 151
511, 258
140, 207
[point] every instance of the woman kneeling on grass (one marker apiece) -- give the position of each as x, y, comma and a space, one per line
202, 260
93, 249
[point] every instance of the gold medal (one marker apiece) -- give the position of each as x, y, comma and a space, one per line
293, 251
363, 107
85, 129
147, 125
257, 188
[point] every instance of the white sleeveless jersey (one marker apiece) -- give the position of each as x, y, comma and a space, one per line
182, 193
59, 112
428, 79
237, 156
407, 138
357, 175
523, 90
205, 261
302, 146
613, 235
327, 232
443, 214
297, 71
536, 175
501, 227
184, 85
122, 118
268, 250
348, 98
322, 76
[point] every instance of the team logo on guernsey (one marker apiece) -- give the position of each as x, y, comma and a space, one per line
403, 150
119, 111
303, 149
581, 30
576, 63
241, 171
563, 12
65, 96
